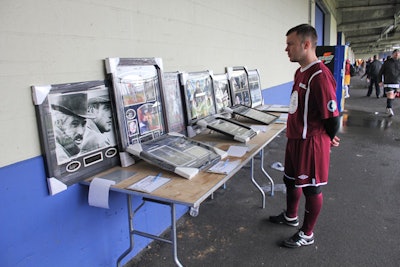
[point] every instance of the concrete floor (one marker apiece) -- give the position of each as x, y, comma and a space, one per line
359, 223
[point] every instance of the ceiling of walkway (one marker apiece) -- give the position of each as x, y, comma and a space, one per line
369, 26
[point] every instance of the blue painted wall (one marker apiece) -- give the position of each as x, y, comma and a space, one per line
63, 230
278, 94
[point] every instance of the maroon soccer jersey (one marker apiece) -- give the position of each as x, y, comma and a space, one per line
313, 99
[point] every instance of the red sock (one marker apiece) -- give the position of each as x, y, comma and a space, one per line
293, 195
313, 208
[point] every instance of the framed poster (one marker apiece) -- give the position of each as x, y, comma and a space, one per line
239, 85
221, 91
173, 103
76, 128
198, 93
255, 88
137, 84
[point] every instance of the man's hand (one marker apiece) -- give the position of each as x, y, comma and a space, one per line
335, 141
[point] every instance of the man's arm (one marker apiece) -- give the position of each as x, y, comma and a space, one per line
331, 126
381, 71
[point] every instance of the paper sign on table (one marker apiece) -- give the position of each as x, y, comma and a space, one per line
237, 151
149, 183
224, 167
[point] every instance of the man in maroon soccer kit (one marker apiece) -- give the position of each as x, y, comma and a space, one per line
312, 125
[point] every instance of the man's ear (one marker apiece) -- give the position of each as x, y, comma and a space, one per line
307, 44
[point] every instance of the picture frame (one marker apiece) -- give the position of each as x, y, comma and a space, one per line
237, 131
174, 115
239, 85
259, 116
255, 88
137, 94
200, 107
179, 154
77, 131
198, 93
221, 91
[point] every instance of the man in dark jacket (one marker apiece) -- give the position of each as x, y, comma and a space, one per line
390, 73
374, 69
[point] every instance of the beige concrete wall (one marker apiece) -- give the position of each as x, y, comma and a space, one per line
330, 30
59, 41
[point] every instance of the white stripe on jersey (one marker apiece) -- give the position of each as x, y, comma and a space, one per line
304, 135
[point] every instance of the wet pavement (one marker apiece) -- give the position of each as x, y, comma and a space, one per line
359, 223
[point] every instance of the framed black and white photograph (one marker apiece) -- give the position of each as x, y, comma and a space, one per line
239, 85
221, 91
173, 103
137, 84
77, 129
255, 88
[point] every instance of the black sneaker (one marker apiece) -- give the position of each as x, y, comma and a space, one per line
299, 239
283, 219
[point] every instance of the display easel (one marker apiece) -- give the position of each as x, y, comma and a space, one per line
253, 114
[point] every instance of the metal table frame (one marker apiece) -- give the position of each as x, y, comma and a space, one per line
132, 231
194, 202
194, 211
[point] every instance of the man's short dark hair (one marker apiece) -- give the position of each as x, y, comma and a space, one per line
304, 31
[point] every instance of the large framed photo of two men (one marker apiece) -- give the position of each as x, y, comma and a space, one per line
76, 128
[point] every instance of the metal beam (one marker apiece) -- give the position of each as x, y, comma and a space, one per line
365, 24
366, 8
366, 35
363, 39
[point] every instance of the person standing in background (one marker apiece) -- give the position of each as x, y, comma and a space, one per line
374, 69
367, 64
347, 77
389, 78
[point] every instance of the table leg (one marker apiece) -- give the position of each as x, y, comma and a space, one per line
173, 241
266, 174
130, 218
173, 233
255, 182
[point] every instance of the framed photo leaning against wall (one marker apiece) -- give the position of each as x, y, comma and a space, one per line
76, 128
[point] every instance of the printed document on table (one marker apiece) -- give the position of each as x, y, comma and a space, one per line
224, 167
237, 151
261, 128
149, 184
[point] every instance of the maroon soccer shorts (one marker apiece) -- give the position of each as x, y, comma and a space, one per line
307, 160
